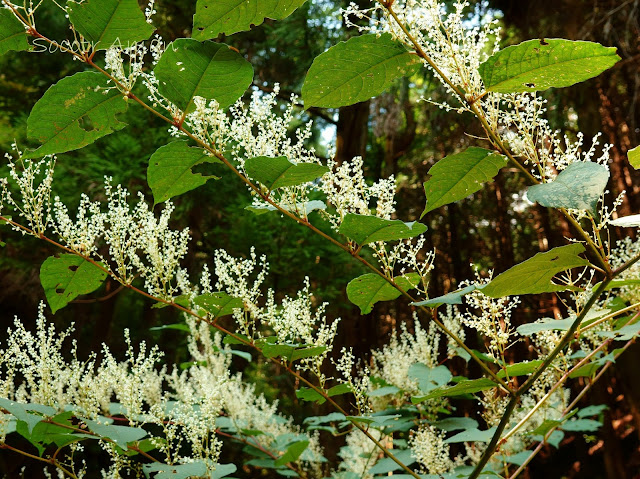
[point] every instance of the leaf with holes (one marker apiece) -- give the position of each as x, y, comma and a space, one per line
107, 23
356, 70
534, 275
457, 176
218, 304
579, 186
73, 113
13, 36
280, 172
536, 65
231, 16
364, 229
209, 70
67, 277
368, 289
170, 172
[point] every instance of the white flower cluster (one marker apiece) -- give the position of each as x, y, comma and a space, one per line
431, 451
359, 381
115, 63
625, 250
359, 455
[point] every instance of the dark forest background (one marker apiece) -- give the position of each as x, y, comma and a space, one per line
395, 135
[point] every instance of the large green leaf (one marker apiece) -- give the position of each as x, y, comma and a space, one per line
67, 277
634, 157
429, 378
356, 70
279, 172
170, 171
536, 65
121, 435
364, 229
12, 33
455, 297
75, 112
209, 70
472, 435
368, 289
218, 304
457, 176
463, 387
23, 412
106, 23
231, 16
534, 275
175, 471
293, 452
579, 186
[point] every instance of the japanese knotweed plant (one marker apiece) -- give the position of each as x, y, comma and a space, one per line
163, 421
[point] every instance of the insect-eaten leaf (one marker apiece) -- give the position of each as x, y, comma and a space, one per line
209, 70
364, 229
457, 176
356, 70
579, 186
218, 304
534, 275
170, 172
536, 65
280, 172
67, 277
368, 289
73, 113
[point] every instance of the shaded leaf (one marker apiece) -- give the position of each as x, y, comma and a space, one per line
308, 394
170, 172
581, 425
545, 427
457, 176
177, 326
356, 70
368, 289
175, 471
218, 304
536, 65
67, 277
455, 423
13, 36
472, 435
383, 391
429, 378
107, 23
592, 410
463, 387
73, 113
231, 16
455, 297
364, 229
579, 186
301, 209
209, 70
383, 466
534, 275
292, 453
280, 172
223, 470
309, 352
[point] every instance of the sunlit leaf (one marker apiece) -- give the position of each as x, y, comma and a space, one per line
364, 229
368, 289
218, 304
536, 65
280, 172
356, 70
67, 277
209, 70
107, 23
631, 221
457, 176
231, 16
75, 112
634, 157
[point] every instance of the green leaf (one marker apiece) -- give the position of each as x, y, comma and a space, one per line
520, 369
536, 65
243, 339
300, 209
223, 470
22, 412
121, 435
546, 426
472, 435
309, 352
534, 275
593, 410
579, 187
455, 297
218, 304
463, 387
209, 70
67, 277
175, 471
456, 423
13, 36
106, 23
338, 390
631, 221
383, 466
581, 425
429, 378
383, 391
457, 176
292, 453
356, 70
73, 113
280, 172
170, 171
308, 394
231, 16
634, 157
176, 326
368, 289
364, 229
